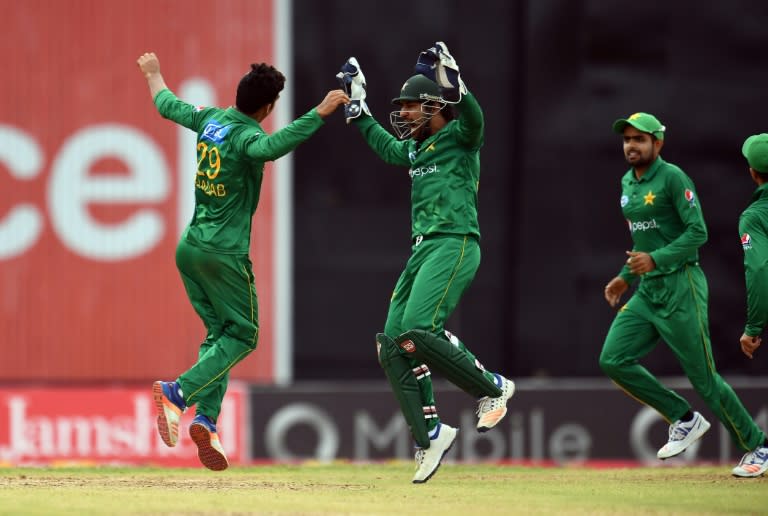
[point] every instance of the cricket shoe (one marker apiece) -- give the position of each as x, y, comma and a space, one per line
209, 449
682, 435
170, 406
428, 459
753, 464
492, 410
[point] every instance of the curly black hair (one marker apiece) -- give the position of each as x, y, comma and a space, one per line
259, 87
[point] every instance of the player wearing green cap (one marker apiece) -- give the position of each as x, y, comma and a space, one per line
664, 217
212, 254
753, 230
442, 152
754, 240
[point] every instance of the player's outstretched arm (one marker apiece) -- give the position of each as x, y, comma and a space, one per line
149, 65
331, 102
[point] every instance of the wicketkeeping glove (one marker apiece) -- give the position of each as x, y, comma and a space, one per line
352, 80
437, 64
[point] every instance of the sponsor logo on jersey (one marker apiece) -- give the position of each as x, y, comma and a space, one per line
690, 197
624, 200
412, 156
408, 346
746, 241
214, 132
642, 225
423, 171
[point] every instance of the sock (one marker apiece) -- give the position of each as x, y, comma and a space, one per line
209, 418
686, 418
497, 379
433, 433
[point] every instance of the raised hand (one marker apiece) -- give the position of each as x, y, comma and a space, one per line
437, 64
333, 99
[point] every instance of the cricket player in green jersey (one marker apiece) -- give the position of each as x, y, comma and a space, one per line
442, 153
753, 229
665, 220
212, 254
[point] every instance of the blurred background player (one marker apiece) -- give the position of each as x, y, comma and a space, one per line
754, 240
666, 223
442, 152
212, 254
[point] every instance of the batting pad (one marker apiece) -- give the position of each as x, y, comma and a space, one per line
399, 372
448, 360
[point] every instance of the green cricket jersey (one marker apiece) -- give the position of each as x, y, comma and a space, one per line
754, 240
664, 217
231, 151
444, 170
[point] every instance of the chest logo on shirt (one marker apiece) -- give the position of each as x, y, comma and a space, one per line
690, 197
624, 200
431, 148
214, 132
642, 225
648, 198
412, 156
746, 241
423, 171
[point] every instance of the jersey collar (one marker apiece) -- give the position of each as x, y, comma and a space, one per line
761, 191
650, 173
236, 113
420, 146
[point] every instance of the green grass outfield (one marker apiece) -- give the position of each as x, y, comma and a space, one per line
467, 490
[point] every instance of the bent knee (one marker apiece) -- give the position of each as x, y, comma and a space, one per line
247, 333
610, 365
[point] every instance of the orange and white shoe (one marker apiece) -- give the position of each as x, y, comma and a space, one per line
492, 410
209, 449
170, 405
753, 464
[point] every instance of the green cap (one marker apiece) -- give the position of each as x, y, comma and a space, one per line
755, 149
644, 122
418, 88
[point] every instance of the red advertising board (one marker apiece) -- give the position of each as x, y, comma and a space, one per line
98, 187
107, 426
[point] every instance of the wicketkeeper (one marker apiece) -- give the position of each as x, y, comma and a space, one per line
442, 152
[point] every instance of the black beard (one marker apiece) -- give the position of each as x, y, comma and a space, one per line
424, 132
641, 162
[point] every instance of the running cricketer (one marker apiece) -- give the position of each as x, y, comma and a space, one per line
753, 229
664, 217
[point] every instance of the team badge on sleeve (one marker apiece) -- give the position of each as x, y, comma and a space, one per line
690, 197
624, 200
746, 241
